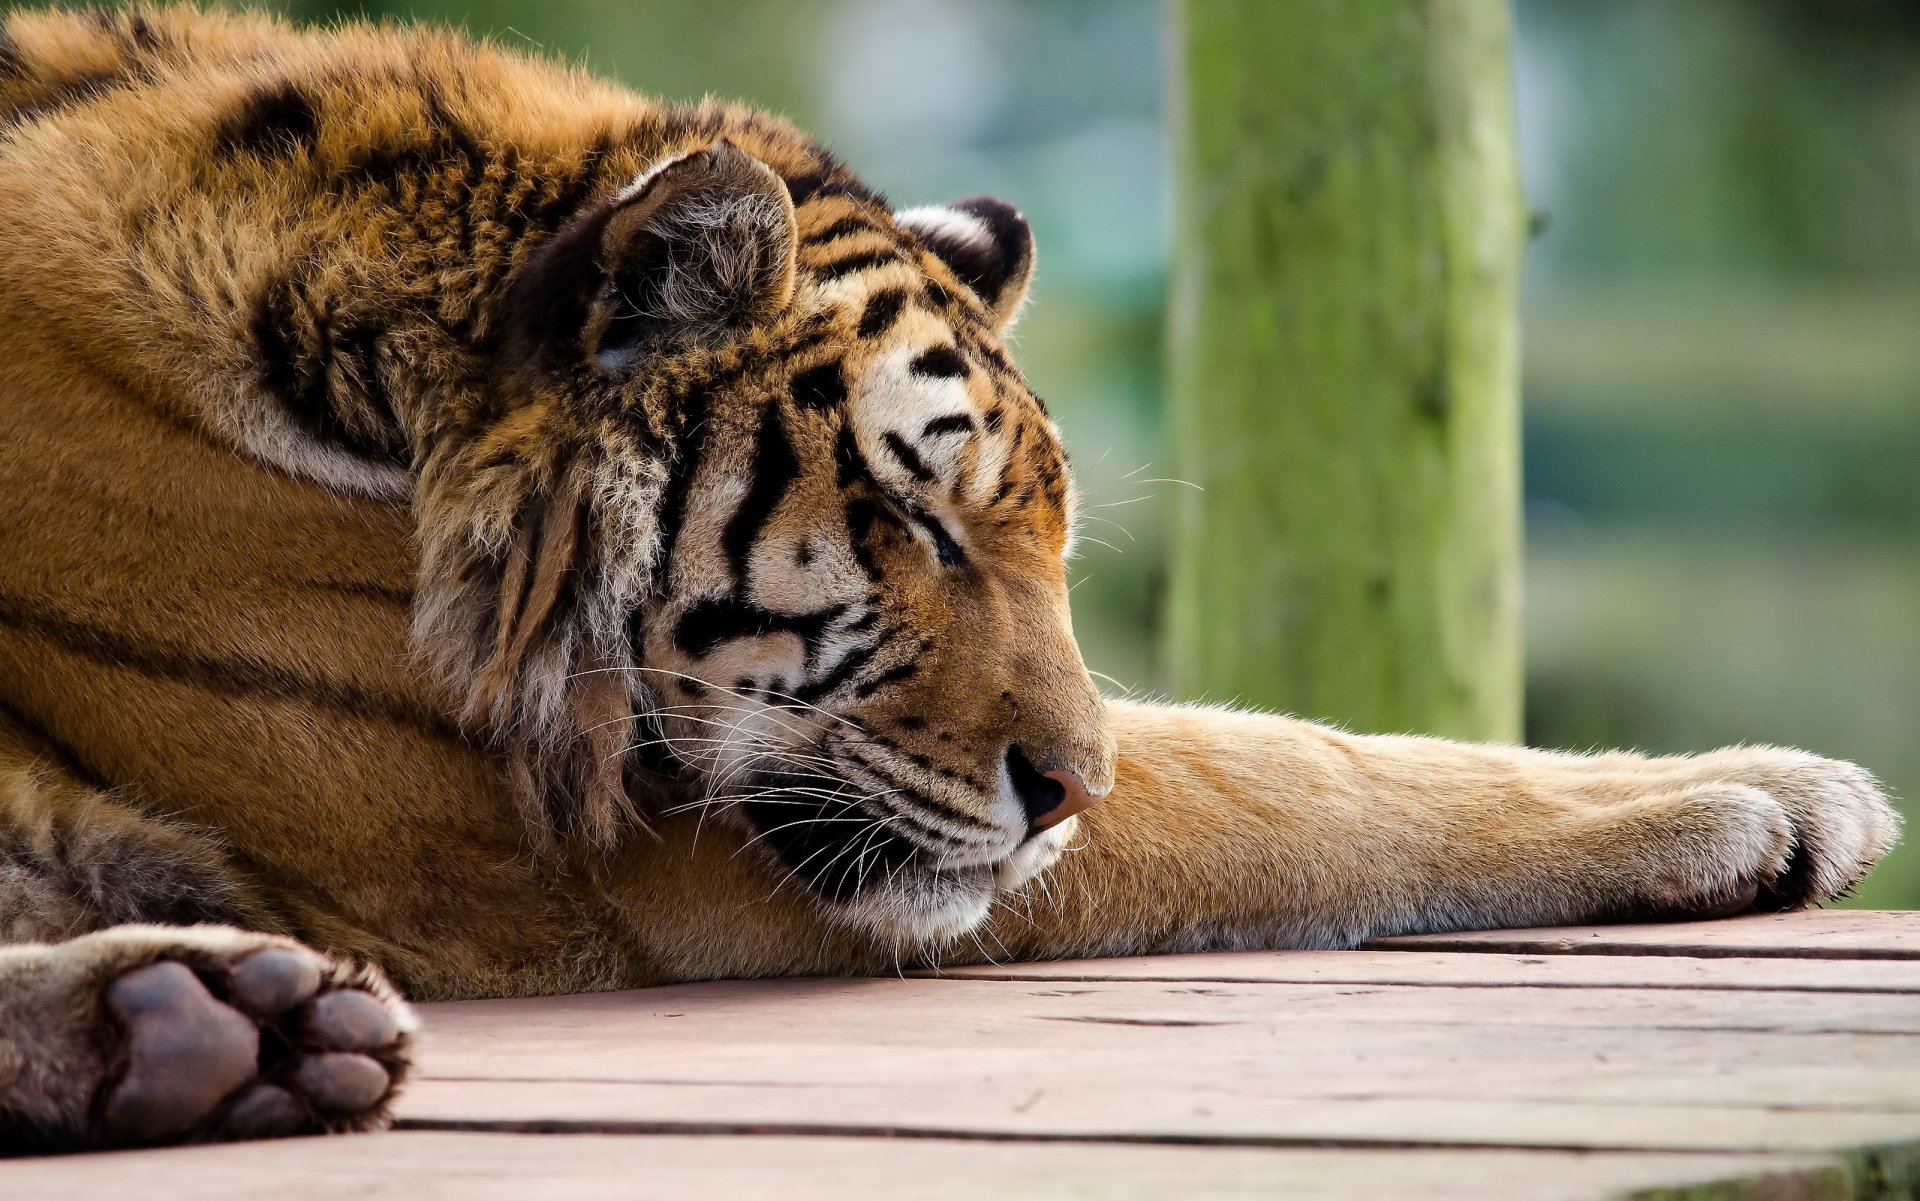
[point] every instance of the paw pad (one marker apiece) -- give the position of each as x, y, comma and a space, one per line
277, 1052
185, 1052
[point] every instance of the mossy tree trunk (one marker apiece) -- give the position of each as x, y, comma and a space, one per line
1348, 229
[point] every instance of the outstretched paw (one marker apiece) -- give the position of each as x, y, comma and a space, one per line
1842, 825
259, 1043
1757, 828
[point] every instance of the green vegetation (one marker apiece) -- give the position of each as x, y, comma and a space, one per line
1348, 229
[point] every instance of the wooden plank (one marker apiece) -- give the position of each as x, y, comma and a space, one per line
1344, 1074
1596, 1068
1107, 1109
1483, 970
432, 1166
1810, 934
1013, 1013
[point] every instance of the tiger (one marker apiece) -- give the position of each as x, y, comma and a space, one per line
476, 531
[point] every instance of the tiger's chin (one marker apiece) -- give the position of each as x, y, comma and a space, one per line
929, 906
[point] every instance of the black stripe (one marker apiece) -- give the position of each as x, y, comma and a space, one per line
820, 387
71, 94
272, 120
997, 358
382, 168
891, 676
942, 362
364, 589
831, 844
856, 262
294, 374
883, 309
841, 672
282, 369
704, 626
142, 34
952, 423
909, 798
565, 195
806, 341
775, 467
246, 679
64, 755
907, 456
690, 422
847, 456
840, 229
854, 750
11, 64
357, 352
1007, 482
434, 142
861, 516
581, 576
829, 178
852, 188
801, 188
447, 129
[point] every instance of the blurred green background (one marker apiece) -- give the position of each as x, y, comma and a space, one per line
1721, 323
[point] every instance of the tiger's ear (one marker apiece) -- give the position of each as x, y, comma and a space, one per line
695, 247
986, 243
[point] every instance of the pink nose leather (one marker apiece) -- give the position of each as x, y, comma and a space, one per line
1079, 800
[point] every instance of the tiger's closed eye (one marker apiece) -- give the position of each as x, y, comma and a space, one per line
945, 548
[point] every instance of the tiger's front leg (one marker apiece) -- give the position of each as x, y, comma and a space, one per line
167, 1022
1235, 830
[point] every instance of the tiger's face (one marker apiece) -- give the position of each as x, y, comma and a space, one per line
823, 545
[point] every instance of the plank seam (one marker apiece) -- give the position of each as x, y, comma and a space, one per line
1333, 1098
1689, 951
1016, 978
663, 1128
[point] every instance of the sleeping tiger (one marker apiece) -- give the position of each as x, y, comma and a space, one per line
472, 526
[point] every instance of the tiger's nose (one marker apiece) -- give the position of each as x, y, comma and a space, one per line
1049, 797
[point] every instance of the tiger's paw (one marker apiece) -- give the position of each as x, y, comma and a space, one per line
209, 1034
266, 1048
1842, 825
1767, 830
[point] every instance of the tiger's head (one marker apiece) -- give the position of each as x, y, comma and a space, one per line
760, 517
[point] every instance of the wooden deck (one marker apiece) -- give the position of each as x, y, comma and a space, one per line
1774, 1057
